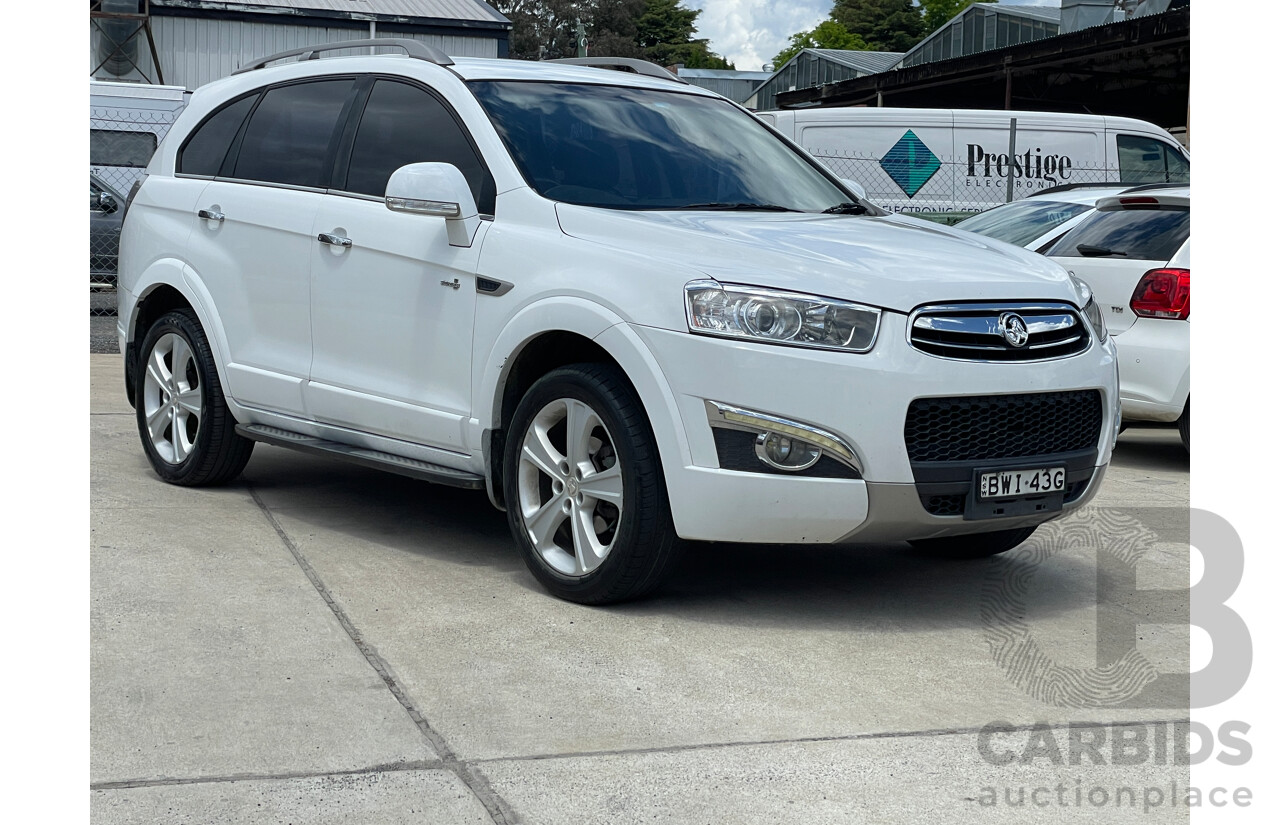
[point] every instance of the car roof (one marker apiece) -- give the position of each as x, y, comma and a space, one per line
1086, 195
479, 68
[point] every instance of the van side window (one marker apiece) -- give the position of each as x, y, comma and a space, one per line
404, 124
207, 147
108, 147
1147, 160
288, 137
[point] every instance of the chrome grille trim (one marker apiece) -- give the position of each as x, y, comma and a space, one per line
970, 332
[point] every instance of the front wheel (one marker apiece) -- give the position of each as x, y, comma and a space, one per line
975, 546
187, 431
586, 499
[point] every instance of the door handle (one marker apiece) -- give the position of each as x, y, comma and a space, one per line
211, 215
334, 240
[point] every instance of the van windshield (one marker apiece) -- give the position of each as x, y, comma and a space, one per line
1022, 222
627, 148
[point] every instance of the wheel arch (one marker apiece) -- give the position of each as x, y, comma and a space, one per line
557, 332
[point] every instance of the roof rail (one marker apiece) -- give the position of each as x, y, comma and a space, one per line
631, 64
413, 48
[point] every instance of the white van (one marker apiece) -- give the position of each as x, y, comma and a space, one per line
126, 123
958, 160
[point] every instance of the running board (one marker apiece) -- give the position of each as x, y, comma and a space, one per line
411, 467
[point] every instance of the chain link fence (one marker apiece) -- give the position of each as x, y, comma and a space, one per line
948, 190
121, 143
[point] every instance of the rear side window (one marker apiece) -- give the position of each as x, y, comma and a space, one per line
1022, 222
1147, 160
207, 147
108, 147
1138, 234
403, 124
289, 136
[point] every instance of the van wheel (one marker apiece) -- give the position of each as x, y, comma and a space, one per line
1184, 426
187, 431
586, 499
975, 546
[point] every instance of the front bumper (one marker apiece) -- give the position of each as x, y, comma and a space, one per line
864, 400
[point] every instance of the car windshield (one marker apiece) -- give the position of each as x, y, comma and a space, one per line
1138, 234
645, 149
1022, 222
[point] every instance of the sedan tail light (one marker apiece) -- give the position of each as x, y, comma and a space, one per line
1163, 293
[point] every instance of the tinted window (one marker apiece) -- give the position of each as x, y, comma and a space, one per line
288, 137
1147, 160
111, 148
1022, 222
648, 149
1140, 234
207, 147
403, 124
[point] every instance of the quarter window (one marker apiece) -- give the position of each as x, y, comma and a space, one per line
403, 124
207, 147
290, 133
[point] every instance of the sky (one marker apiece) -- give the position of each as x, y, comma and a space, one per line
750, 32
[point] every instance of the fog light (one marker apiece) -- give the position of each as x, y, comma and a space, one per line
783, 453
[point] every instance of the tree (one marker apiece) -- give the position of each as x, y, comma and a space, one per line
886, 25
826, 35
665, 31
938, 12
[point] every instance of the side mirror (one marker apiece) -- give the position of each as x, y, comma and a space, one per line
107, 203
856, 188
437, 189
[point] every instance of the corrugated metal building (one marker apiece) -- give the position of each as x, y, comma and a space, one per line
985, 26
818, 67
735, 85
198, 41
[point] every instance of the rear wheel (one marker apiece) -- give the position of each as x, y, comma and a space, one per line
187, 431
975, 546
586, 499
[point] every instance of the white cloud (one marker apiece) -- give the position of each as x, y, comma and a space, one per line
750, 32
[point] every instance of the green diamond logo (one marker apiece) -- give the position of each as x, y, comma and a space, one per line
910, 163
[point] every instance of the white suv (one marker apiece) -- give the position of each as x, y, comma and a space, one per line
621, 304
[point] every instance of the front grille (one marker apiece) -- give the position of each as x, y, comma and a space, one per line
973, 332
984, 428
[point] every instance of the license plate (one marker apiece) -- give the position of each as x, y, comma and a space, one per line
1018, 483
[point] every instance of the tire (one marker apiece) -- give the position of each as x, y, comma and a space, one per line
1184, 426
625, 544
975, 546
192, 439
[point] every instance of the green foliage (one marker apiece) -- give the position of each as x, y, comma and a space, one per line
938, 12
826, 35
657, 30
886, 25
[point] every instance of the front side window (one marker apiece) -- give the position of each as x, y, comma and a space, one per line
646, 149
108, 147
205, 150
404, 124
1136, 234
1022, 222
1147, 160
290, 133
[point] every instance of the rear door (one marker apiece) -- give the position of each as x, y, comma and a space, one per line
252, 242
1113, 248
393, 312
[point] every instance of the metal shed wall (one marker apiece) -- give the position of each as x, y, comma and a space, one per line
195, 50
982, 27
807, 69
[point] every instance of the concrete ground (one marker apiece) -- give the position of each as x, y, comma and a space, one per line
322, 643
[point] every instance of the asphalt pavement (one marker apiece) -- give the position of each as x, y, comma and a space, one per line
322, 643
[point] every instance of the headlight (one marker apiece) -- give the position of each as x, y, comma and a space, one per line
778, 317
1091, 311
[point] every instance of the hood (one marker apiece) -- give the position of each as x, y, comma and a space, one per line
891, 262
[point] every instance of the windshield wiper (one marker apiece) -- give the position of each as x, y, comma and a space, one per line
740, 207
846, 208
1098, 251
